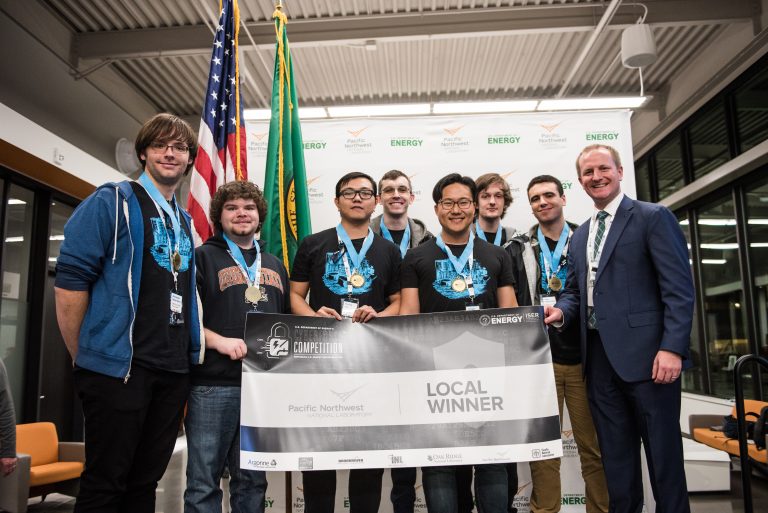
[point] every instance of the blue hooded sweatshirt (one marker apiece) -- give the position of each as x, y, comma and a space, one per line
102, 253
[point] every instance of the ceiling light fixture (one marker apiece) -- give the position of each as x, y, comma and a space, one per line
396, 109
425, 109
483, 107
609, 102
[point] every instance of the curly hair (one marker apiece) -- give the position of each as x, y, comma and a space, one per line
488, 179
237, 190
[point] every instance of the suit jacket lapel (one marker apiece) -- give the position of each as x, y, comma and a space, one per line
623, 213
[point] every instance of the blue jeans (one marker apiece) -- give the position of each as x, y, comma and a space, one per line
440, 489
213, 442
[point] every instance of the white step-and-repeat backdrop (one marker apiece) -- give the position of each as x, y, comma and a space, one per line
517, 146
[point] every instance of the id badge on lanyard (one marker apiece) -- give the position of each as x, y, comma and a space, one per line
348, 306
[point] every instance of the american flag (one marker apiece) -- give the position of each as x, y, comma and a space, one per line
222, 151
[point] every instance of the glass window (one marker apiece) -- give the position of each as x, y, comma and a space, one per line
725, 318
757, 226
60, 213
14, 306
643, 180
751, 101
693, 378
669, 167
709, 141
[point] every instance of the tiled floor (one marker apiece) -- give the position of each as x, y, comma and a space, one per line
171, 490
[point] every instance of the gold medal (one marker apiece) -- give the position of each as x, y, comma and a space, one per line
554, 283
253, 294
459, 284
176, 260
357, 280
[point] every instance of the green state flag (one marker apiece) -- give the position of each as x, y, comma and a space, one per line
285, 182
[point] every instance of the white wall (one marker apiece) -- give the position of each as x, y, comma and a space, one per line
694, 404
47, 146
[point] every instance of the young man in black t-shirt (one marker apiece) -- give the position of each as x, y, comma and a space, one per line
458, 271
234, 277
351, 273
394, 224
540, 260
127, 310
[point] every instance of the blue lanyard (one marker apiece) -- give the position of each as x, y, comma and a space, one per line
466, 255
357, 258
162, 203
480, 233
552, 260
406, 237
251, 272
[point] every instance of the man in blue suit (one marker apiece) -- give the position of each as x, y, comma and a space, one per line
629, 286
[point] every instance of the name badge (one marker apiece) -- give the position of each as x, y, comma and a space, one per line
548, 300
348, 306
471, 305
176, 303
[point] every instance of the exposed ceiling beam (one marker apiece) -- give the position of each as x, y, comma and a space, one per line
127, 44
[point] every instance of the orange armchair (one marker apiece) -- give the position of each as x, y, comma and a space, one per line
45, 466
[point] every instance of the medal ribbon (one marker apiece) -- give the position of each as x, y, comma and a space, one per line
162, 203
403, 243
357, 258
480, 233
467, 256
252, 273
549, 258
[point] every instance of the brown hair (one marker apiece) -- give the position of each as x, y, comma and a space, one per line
239, 189
394, 174
488, 179
593, 147
166, 127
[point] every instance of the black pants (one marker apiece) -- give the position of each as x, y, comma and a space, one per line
130, 432
403, 495
364, 490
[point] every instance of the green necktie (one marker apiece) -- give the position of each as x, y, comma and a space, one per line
599, 233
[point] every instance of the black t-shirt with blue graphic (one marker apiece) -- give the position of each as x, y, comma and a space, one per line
428, 269
319, 261
157, 344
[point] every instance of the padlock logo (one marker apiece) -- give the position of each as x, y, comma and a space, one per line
279, 341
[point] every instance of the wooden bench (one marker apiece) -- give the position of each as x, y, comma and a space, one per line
700, 431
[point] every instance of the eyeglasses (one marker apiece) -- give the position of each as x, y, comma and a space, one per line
349, 194
161, 147
388, 191
463, 203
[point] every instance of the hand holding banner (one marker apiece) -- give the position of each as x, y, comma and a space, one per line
468, 387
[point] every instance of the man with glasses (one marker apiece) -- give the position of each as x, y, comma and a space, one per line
127, 310
458, 271
493, 199
395, 196
354, 274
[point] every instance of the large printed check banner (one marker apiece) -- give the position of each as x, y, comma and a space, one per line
467, 387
